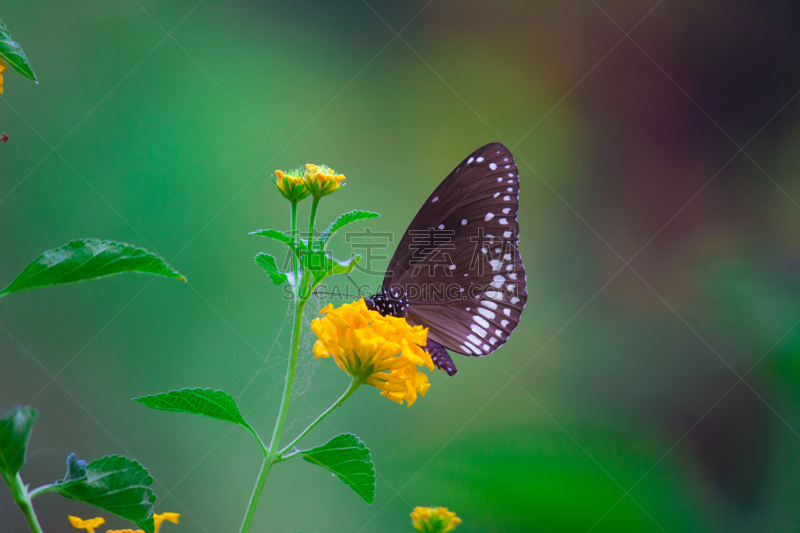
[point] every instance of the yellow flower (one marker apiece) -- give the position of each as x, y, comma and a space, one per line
321, 180
88, 525
434, 520
382, 351
170, 517
291, 185
3, 68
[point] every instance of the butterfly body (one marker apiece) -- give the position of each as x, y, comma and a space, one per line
457, 269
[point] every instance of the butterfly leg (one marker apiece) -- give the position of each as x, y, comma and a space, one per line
441, 359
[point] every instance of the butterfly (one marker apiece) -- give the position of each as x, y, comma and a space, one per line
457, 269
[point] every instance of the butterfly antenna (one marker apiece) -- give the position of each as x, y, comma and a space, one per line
332, 293
356, 284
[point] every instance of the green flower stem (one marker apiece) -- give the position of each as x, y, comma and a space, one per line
20, 493
299, 306
290, 371
271, 455
296, 241
269, 460
312, 219
354, 385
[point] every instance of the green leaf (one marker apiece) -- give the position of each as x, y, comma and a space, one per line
15, 429
215, 404
115, 484
281, 237
321, 264
349, 460
268, 263
88, 259
11, 52
341, 222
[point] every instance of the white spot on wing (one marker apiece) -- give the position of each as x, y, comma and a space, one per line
507, 234
480, 320
493, 166
494, 295
470, 160
472, 348
441, 226
473, 339
503, 221
504, 323
496, 264
435, 199
506, 210
485, 312
495, 195
463, 221
489, 216
490, 305
506, 198
479, 330
507, 311
514, 300
479, 160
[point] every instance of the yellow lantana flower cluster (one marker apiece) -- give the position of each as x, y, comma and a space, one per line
382, 351
434, 519
316, 180
93, 523
291, 185
321, 180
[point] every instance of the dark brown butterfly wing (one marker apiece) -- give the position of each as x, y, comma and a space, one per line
458, 263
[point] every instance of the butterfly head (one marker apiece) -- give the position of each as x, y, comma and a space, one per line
386, 305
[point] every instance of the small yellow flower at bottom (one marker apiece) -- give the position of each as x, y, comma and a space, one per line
3, 68
88, 525
322, 180
169, 517
434, 520
93, 523
382, 351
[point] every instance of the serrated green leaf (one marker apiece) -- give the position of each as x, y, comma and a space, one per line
11, 52
281, 237
341, 222
270, 266
88, 259
15, 429
321, 264
115, 484
349, 460
215, 404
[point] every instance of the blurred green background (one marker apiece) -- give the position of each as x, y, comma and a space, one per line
662, 260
